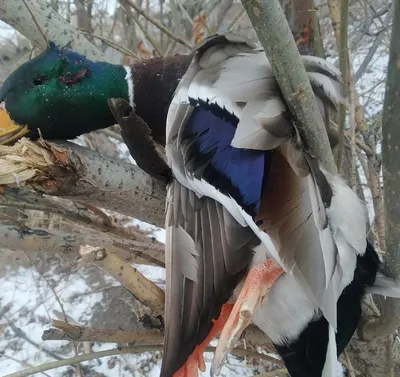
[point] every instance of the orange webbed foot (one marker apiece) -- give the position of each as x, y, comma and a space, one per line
258, 282
196, 362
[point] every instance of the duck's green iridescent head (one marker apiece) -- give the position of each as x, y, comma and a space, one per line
63, 94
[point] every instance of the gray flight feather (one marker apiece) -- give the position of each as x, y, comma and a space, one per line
207, 255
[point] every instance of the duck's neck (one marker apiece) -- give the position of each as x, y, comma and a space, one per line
153, 83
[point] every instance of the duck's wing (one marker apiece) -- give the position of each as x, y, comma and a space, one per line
207, 254
229, 132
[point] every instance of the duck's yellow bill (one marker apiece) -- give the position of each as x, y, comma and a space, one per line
10, 131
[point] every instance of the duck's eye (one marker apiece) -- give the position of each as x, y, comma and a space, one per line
38, 81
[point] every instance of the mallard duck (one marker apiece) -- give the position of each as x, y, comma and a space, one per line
221, 229
253, 217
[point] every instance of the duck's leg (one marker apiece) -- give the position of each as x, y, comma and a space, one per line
196, 359
258, 282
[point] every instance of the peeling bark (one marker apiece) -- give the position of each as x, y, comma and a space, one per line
68, 170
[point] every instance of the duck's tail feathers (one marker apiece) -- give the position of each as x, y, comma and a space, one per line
331, 361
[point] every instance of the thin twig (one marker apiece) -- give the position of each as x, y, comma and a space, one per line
353, 178
36, 23
344, 69
20, 333
157, 24
377, 200
363, 66
66, 331
147, 35
364, 147
23, 363
318, 45
125, 350
111, 43
78, 366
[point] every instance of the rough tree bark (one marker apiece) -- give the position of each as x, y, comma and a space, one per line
390, 318
84, 175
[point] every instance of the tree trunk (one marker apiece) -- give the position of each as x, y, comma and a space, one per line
390, 319
304, 25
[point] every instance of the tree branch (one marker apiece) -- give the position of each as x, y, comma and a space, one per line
71, 171
344, 69
389, 320
54, 27
157, 24
252, 335
275, 36
83, 214
147, 292
28, 239
334, 13
66, 331
125, 350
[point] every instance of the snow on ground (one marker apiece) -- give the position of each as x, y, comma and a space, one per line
27, 304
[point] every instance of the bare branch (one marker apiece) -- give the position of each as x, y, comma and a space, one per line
66, 331
80, 213
125, 350
275, 36
334, 12
147, 35
29, 239
344, 69
373, 48
252, 336
21, 334
157, 24
54, 27
147, 292
81, 358
112, 44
